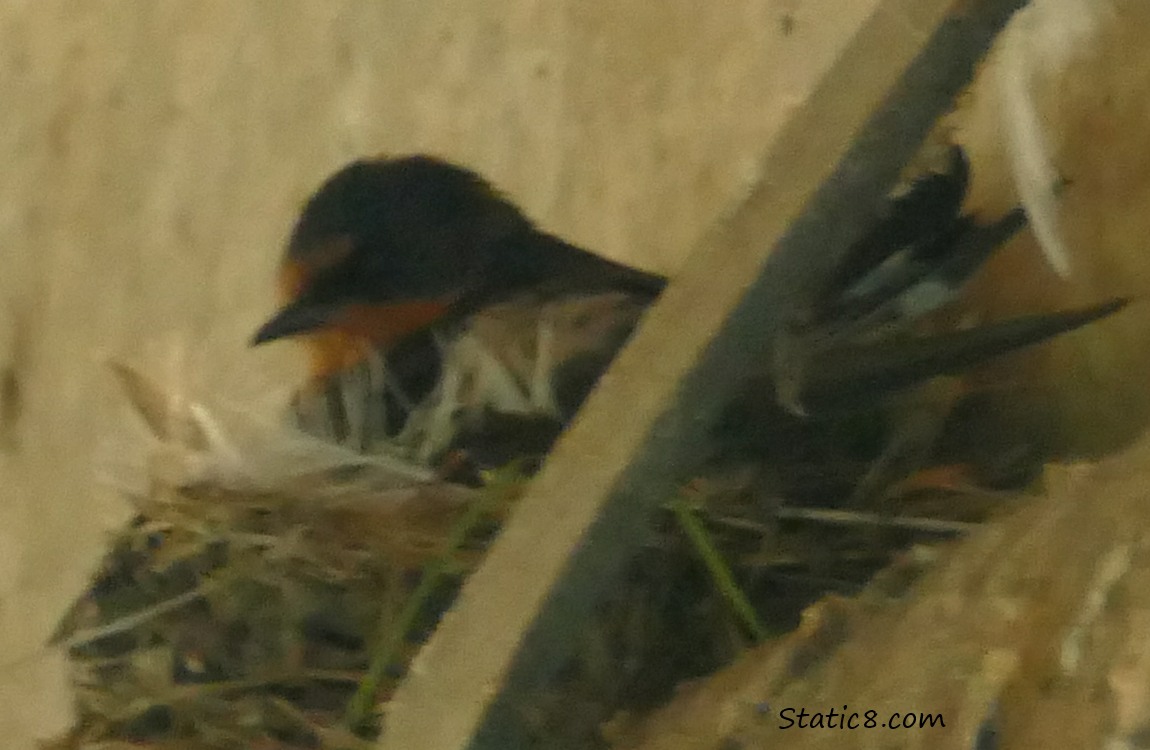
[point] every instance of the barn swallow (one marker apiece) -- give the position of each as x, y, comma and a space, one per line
389, 249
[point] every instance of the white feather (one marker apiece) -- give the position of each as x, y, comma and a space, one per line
1040, 44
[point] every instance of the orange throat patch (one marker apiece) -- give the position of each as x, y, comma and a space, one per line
363, 328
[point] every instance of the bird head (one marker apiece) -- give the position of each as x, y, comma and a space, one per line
384, 247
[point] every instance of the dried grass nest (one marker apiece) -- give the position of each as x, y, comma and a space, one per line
272, 587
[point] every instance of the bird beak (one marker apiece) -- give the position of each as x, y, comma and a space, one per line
294, 319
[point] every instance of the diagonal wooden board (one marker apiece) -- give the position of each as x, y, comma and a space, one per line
825, 177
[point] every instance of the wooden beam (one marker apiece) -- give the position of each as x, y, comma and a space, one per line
824, 179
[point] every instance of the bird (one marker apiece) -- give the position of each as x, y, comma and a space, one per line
385, 248
391, 257
403, 258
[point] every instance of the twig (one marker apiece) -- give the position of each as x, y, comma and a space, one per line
862, 518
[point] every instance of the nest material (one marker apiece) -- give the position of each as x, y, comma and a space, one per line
525, 358
247, 602
1031, 633
240, 602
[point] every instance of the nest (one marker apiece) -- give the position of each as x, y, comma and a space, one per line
239, 601
273, 586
